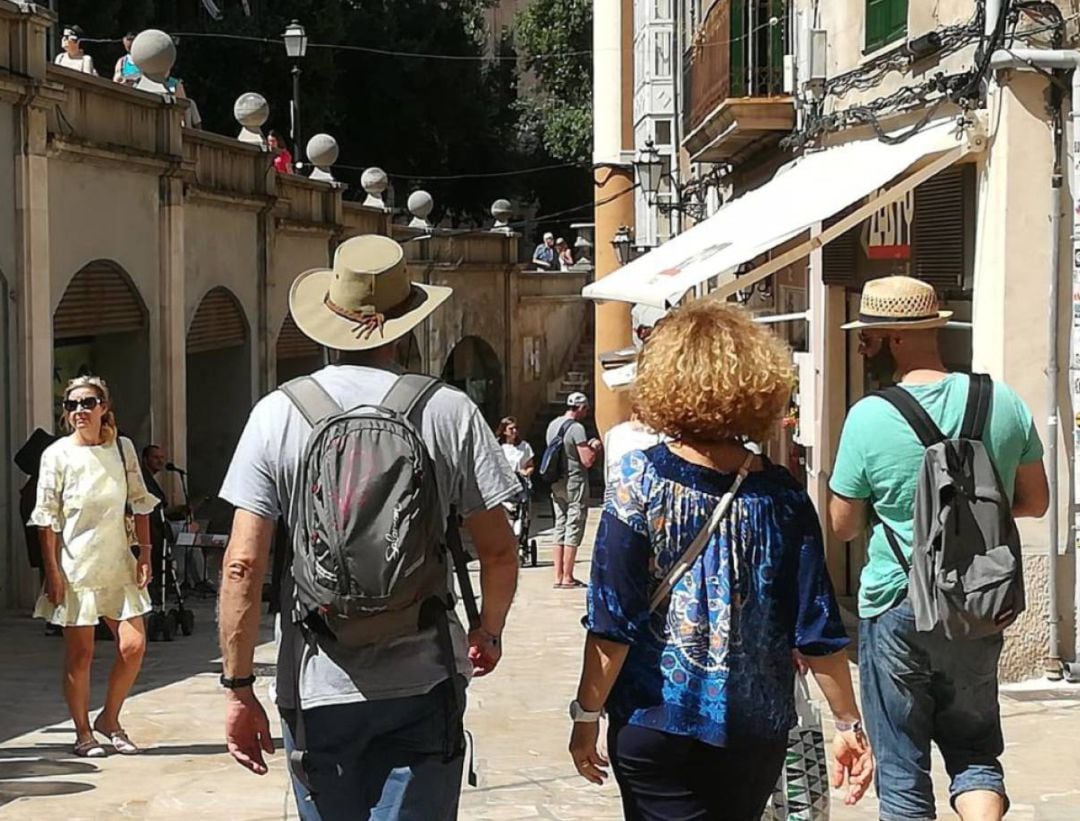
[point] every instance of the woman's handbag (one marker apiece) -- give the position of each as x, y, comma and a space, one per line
802, 791
129, 514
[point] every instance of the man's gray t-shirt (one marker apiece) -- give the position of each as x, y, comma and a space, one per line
575, 435
473, 475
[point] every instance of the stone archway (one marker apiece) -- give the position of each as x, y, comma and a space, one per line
218, 388
101, 326
474, 367
295, 354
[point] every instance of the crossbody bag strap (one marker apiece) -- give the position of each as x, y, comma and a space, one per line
690, 555
979, 402
127, 488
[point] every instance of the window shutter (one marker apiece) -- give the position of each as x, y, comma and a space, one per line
942, 228
99, 300
840, 258
292, 344
738, 48
886, 20
218, 323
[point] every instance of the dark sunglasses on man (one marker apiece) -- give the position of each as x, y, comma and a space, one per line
86, 403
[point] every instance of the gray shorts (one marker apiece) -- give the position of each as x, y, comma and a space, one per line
568, 499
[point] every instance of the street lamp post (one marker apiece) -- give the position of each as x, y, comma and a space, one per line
296, 43
622, 242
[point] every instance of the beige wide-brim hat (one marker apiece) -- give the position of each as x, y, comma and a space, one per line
899, 303
366, 300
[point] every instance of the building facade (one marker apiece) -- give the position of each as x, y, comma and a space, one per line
763, 83
161, 258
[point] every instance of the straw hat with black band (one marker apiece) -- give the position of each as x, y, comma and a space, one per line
899, 304
366, 300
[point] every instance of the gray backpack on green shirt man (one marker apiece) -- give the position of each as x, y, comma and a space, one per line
966, 572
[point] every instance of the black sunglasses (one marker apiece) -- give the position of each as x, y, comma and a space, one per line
86, 403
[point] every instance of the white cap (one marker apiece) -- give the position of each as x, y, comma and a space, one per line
577, 400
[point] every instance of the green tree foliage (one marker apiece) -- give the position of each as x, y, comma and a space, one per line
559, 112
414, 117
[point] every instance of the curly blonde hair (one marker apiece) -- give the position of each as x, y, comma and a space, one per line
709, 373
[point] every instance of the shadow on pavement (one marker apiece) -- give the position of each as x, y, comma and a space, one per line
33, 663
38, 768
14, 790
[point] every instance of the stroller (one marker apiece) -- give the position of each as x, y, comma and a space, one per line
518, 509
162, 624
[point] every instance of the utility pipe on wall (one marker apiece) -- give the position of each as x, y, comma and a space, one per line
1070, 61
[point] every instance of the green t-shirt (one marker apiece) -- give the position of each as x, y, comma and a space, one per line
880, 457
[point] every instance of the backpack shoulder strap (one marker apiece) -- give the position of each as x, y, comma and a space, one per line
914, 414
979, 402
409, 393
311, 399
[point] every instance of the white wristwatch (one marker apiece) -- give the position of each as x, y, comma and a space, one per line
579, 715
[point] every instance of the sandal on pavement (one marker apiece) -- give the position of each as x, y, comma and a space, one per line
120, 741
89, 749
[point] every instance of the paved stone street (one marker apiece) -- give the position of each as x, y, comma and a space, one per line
517, 717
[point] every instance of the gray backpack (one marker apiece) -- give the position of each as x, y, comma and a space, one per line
370, 543
966, 571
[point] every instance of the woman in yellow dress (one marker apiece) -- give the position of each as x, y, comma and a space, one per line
89, 484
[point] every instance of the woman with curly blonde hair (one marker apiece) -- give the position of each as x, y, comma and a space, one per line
708, 572
90, 487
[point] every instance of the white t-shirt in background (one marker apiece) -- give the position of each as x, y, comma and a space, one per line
624, 438
517, 455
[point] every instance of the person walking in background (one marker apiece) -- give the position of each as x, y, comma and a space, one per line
544, 256
73, 56
695, 670
623, 438
919, 687
88, 486
565, 255
283, 161
517, 451
126, 72
382, 717
570, 490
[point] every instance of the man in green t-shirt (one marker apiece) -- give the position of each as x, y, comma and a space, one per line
919, 688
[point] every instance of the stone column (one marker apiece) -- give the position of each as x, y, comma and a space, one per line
612, 71
1010, 337
168, 382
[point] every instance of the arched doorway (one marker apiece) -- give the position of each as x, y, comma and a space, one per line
474, 368
101, 326
218, 389
296, 354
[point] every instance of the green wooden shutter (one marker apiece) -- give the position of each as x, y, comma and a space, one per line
886, 21
738, 48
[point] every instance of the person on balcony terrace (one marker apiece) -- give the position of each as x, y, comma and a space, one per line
565, 255
544, 257
126, 72
283, 162
73, 56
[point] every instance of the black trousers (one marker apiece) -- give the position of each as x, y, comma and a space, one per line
667, 777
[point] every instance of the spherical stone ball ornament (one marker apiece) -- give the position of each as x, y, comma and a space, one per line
374, 181
154, 52
322, 150
420, 204
502, 210
251, 110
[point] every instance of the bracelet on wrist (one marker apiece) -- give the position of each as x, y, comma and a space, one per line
236, 683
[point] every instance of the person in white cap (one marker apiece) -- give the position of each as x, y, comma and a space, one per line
73, 56
374, 725
569, 494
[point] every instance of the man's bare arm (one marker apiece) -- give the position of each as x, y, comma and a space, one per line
244, 568
847, 517
496, 549
1031, 496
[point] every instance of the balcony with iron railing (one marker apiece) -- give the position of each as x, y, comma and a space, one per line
734, 80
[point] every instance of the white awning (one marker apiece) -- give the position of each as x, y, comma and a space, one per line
803, 193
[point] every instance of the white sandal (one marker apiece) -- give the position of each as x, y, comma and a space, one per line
120, 741
89, 749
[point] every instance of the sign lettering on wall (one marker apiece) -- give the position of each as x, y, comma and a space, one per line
886, 233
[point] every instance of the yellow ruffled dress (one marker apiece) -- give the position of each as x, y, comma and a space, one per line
80, 495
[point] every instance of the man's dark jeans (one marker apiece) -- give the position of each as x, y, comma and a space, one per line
380, 760
921, 687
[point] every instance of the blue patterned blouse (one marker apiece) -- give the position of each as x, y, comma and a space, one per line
715, 662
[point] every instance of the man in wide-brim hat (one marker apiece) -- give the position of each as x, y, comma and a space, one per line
382, 721
919, 687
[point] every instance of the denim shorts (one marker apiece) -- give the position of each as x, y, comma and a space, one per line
922, 687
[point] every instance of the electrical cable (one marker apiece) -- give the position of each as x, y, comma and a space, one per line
470, 176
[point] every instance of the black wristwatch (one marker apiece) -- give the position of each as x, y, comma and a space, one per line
236, 683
